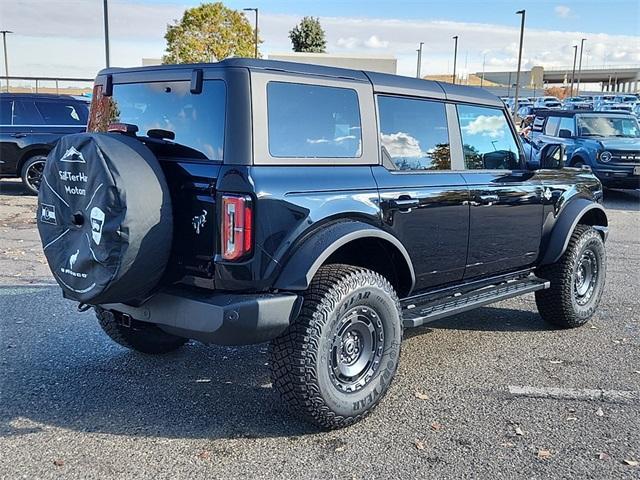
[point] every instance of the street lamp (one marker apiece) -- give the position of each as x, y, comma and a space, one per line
573, 72
419, 67
515, 100
455, 57
105, 9
484, 61
6, 61
580, 64
255, 31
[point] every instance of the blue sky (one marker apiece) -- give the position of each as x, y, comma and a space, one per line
65, 37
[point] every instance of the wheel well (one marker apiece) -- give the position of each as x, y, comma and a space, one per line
30, 154
380, 256
577, 158
595, 216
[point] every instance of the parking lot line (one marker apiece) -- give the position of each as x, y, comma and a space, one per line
574, 393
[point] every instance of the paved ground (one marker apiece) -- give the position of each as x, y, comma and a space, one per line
75, 405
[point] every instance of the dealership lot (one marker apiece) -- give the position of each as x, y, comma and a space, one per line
494, 392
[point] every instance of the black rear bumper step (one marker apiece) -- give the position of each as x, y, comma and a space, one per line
418, 314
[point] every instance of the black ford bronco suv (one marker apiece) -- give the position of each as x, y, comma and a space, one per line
321, 209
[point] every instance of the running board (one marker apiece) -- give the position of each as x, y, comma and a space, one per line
417, 313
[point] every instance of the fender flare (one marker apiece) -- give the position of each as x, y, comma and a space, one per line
566, 223
314, 251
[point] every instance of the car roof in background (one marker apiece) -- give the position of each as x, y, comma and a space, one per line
382, 82
571, 113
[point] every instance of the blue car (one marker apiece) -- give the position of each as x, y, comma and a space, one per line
608, 142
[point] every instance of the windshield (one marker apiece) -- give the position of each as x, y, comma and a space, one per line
608, 127
196, 120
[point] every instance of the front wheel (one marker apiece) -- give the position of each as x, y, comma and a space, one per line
577, 280
336, 361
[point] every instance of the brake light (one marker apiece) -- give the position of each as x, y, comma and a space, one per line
237, 226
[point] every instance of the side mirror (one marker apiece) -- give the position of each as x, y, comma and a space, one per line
552, 156
564, 133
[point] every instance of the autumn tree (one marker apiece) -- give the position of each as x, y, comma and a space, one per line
308, 36
210, 32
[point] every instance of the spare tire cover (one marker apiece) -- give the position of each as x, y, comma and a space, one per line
104, 217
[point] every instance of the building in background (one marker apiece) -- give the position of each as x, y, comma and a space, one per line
383, 64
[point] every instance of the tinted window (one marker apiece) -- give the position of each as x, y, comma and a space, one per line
414, 133
63, 113
618, 126
311, 121
25, 113
487, 140
197, 120
5, 111
566, 123
551, 127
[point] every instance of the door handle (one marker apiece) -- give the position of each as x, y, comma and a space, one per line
488, 198
18, 135
404, 204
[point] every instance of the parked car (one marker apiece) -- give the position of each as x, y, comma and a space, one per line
322, 209
525, 115
600, 102
577, 103
547, 102
30, 126
607, 142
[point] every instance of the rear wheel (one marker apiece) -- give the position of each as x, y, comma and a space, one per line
336, 361
140, 336
577, 280
32, 173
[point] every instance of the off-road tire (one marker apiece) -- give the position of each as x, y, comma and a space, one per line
558, 304
27, 167
301, 358
140, 336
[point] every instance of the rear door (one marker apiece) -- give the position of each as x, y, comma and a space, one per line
186, 132
505, 221
424, 203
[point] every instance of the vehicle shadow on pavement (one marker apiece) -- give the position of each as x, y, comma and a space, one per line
13, 189
489, 319
59, 369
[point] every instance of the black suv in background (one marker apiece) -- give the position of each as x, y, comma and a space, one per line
30, 126
321, 209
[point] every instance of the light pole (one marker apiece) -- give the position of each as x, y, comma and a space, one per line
455, 58
6, 61
255, 31
484, 61
573, 72
105, 14
515, 100
419, 67
580, 64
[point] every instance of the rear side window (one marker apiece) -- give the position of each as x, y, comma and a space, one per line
63, 113
311, 121
551, 127
487, 140
414, 133
25, 113
197, 120
6, 106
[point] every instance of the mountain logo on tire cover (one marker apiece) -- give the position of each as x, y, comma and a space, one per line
97, 221
72, 155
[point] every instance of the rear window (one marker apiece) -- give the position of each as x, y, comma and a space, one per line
63, 112
310, 121
197, 120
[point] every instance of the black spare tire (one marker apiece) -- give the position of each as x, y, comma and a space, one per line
104, 217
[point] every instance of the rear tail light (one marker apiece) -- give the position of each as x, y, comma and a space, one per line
237, 226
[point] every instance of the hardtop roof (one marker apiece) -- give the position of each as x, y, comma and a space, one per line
382, 82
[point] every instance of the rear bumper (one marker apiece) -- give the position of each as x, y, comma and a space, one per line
220, 318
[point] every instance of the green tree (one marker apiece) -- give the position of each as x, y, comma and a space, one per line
308, 36
209, 32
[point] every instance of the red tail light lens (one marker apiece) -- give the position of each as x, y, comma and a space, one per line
237, 226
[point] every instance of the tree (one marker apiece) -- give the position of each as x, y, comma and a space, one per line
308, 36
208, 33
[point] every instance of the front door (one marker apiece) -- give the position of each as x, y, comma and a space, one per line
424, 203
506, 200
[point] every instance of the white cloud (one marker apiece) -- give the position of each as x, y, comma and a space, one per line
491, 126
562, 11
402, 145
348, 43
375, 42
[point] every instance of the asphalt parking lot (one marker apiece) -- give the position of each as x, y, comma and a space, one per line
491, 393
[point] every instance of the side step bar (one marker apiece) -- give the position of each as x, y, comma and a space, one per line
417, 314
